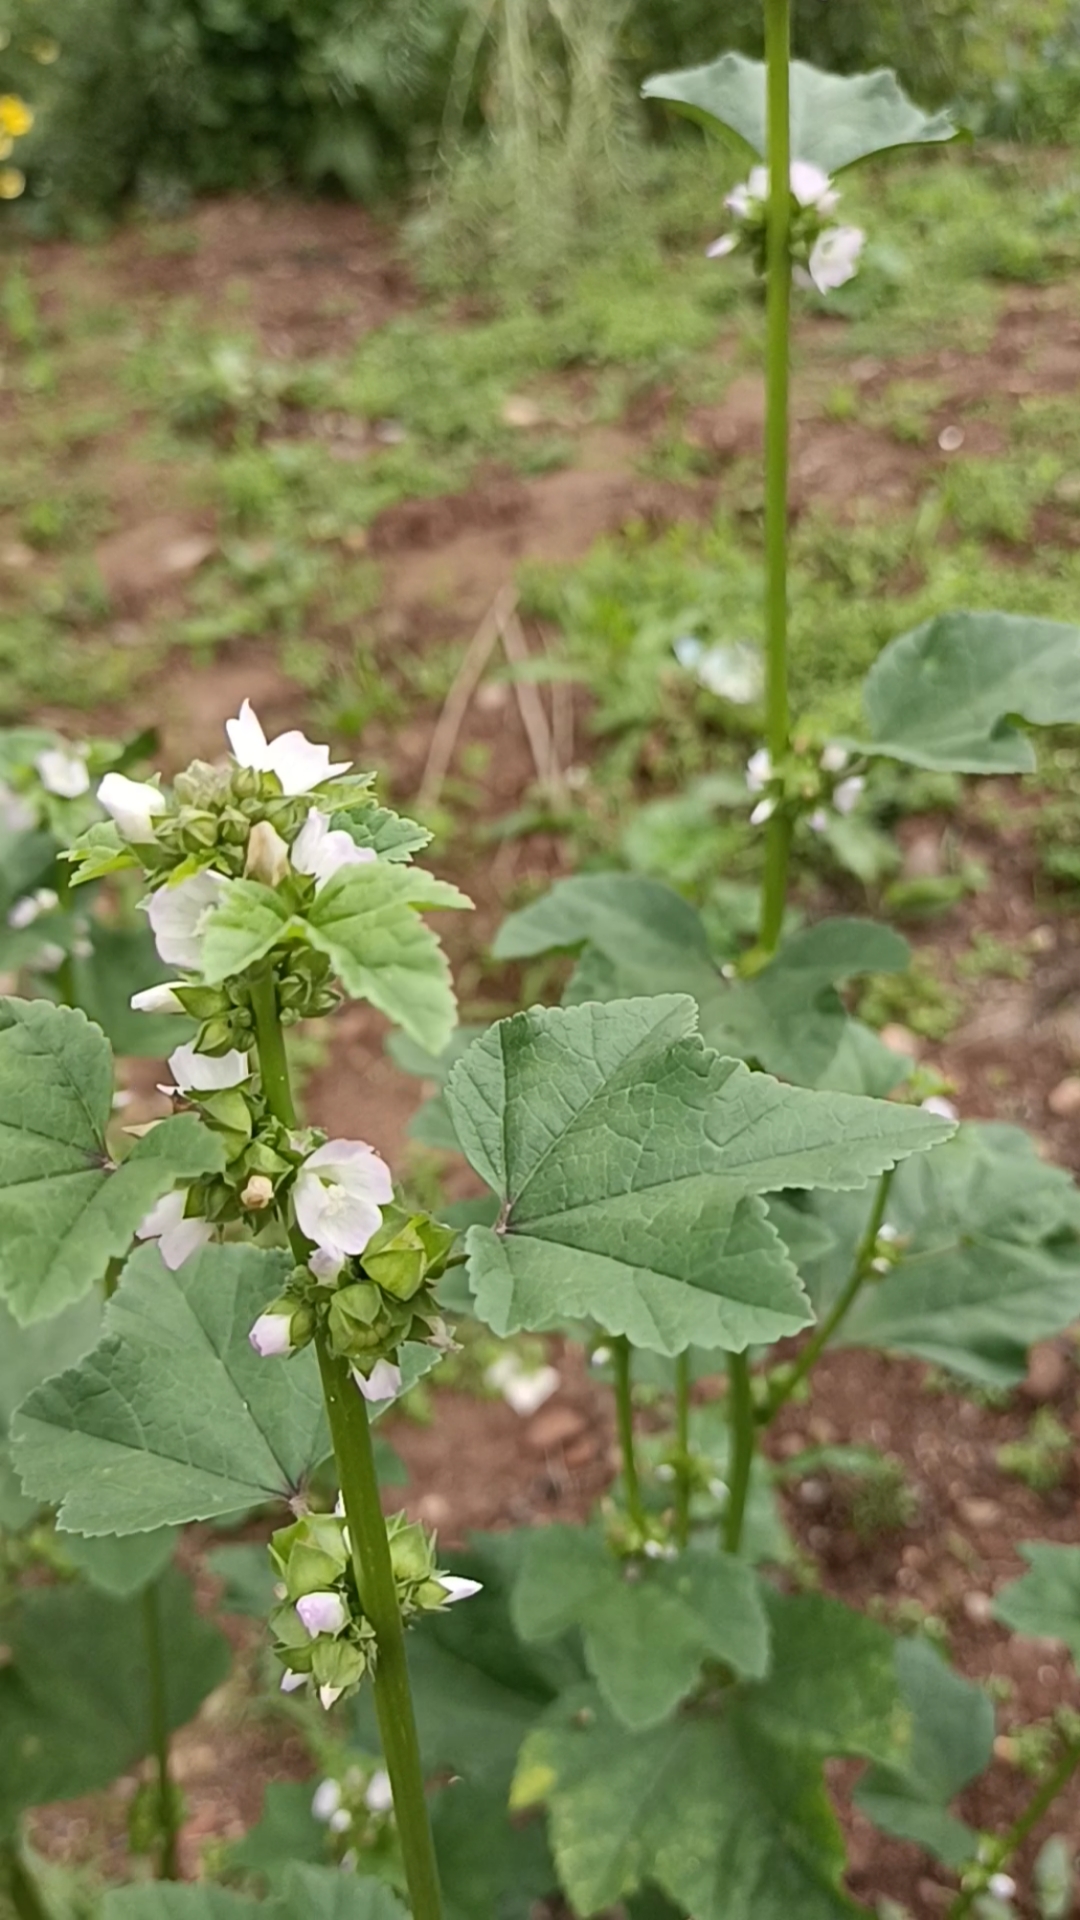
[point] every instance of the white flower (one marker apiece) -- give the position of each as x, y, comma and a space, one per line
326, 1800
322, 850
1002, 1886
49, 958
16, 814
943, 1108
456, 1588
271, 1336
600, 1357
298, 763
818, 821
889, 1234
267, 857
196, 1072
337, 1196
31, 907
834, 258
847, 795
525, 1389
834, 758
720, 249
158, 999
738, 200
326, 1266
177, 1237
328, 1696
812, 188
322, 1613
292, 1682
258, 1194
762, 812
379, 1795
341, 1821
759, 770
756, 188
178, 915
382, 1383
62, 771
133, 804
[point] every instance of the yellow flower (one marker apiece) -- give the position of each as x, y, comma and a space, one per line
15, 116
12, 183
7, 145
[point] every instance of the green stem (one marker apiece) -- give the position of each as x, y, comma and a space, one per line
683, 1487
168, 1822
1011, 1842
351, 1436
741, 1456
270, 1039
624, 1412
842, 1305
27, 1900
777, 391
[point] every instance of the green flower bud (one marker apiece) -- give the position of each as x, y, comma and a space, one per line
358, 1322
216, 1035
411, 1553
202, 1003
199, 830
310, 1570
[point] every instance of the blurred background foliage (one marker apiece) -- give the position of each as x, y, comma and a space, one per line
164, 98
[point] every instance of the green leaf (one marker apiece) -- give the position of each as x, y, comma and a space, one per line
647, 1627
991, 1260
248, 922
790, 1016
952, 1742
832, 1683
75, 1692
489, 1868
248, 1578
655, 937
122, 961
366, 920
28, 1355
391, 835
65, 1210
287, 1830
1045, 1602
732, 1824
121, 1567
836, 119
950, 695
173, 1417
160, 1901
305, 1893
99, 852
628, 1159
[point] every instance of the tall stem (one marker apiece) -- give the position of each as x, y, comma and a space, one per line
777, 387
27, 1900
1011, 1842
683, 1488
347, 1414
743, 1437
168, 1821
351, 1435
624, 1410
842, 1305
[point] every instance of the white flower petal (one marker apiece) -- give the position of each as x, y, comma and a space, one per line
759, 770
834, 758
247, 739
341, 1821
292, 1682
456, 1588
133, 805
720, 249
379, 1795
328, 1696
158, 999
338, 1194
189, 1237
762, 812
942, 1107
267, 857
178, 915
271, 1336
196, 1072
16, 814
63, 772
524, 1389
382, 1383
810, 186
847, 795
326, 1800
323, 1612
322, 851
818, 821
326, 1266
834, 258
757, 186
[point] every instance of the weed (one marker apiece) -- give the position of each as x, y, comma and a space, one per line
915, 999
1041, 1458
989, 956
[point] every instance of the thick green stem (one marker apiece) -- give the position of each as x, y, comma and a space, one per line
842, 1305
270, 1038
168, 1825
624, 1412
355, 1456
683, 1476
777, 386
743, 1437
1011, 1842
17, 1881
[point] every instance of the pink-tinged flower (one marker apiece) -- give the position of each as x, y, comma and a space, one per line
298, 762
382, 1383
322, 850
177, 1237
813, 188
326, 1267
834, 257
818, 821
337, 1196
292, 1682
62, 771
271, 1336
457, 1588
322, 1613
179, 915
196, 1072
133, 805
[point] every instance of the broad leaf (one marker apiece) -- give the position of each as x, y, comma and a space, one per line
287, 1830
366, 919
490, 1868
121, 1566
647, 1628
832, 1682
732, 1824
836, 119
305, 1893
65, 1209
173, 1417
628, 1158
248, 922
790, 1016
951, 695
75, 1692
990, 1263
952, 1742
122, 961
28, 1355
391, 835
1045, 1602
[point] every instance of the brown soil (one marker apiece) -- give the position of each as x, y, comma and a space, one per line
310, 279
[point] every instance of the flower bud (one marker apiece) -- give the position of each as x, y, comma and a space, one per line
322, 1613
382, 1383
133, 805
292, 1682
379, 1794
271, 1336
258, 1194
267, 855
199, 829
455, 1587
161, 999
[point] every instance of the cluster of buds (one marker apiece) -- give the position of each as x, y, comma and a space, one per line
322, 1635
809, 785
826, 255
370, 1299
358, 1811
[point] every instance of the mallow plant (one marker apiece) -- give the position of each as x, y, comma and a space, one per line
696, 1156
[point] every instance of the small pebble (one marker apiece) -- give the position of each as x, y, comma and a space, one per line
1064, 1100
